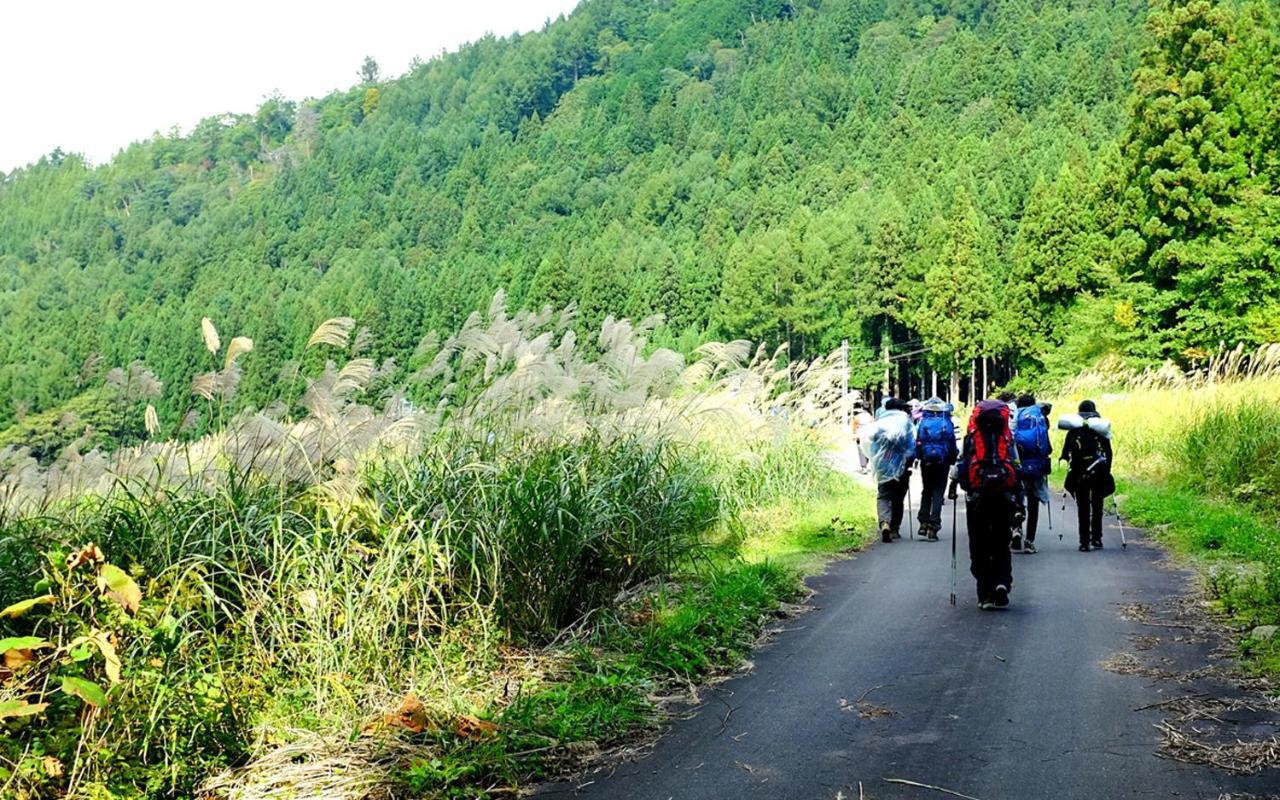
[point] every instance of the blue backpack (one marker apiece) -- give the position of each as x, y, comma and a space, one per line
1031, 434
935, 439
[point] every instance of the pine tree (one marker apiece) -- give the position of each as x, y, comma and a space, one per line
958, 318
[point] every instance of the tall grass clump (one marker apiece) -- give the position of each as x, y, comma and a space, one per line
1198, 455
273, 607
1171, 424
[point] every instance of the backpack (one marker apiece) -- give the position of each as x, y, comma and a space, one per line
935, 439
1088, 452
1031, 435
991, 458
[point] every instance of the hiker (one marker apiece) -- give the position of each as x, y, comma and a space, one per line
1009, 399
988, 472
1035, 456
917, 410
862, 422
891, 446
936, 451
1088, 454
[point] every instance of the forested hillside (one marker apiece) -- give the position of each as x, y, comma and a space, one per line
1036, 181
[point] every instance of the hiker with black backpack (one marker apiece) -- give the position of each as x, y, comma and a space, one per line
936, 451
1087, 451
1035, 454
891, 445
988, 472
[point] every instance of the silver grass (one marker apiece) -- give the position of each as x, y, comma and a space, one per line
211, 341
333, 332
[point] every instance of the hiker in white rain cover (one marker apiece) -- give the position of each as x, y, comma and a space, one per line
1087, 452
891, 445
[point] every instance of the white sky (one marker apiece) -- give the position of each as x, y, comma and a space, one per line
91, 76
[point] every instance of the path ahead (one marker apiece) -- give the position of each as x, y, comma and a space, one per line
1005, 705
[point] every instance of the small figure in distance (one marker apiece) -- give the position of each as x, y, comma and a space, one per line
862, 422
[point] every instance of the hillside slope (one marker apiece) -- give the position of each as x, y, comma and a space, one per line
772, 170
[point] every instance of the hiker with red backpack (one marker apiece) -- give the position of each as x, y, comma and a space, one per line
988, 472
1088, 454
936, 451
1035, 454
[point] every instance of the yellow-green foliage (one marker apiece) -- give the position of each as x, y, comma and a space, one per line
1152, 413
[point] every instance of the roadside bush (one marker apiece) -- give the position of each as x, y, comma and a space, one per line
1233, 450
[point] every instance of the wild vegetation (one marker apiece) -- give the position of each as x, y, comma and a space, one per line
355, 597
1196, 457
1036, 183
347, 560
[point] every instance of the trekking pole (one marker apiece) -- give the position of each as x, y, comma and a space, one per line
955, 502
911, 527
1064, 511
910, 524
1124, 542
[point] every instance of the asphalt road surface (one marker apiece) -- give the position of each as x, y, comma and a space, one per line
886, 680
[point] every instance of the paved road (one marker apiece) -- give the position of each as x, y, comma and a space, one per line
1004, 705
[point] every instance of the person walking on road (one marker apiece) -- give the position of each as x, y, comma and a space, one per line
862, 422
988, 472
891, 446
1035, 454
1087, 451
936, 451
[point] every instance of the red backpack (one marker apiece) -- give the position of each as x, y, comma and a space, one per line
991, 460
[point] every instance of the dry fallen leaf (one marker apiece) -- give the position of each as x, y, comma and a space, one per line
89, 554
469, 727
52, 767
17, 658
411, 715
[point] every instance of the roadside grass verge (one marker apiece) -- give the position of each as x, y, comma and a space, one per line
1198, 464
332, 599
615, 676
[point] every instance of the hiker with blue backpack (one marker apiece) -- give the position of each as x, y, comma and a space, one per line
1035, 454
936, 451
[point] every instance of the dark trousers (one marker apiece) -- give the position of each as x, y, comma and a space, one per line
889, 498
1032, 505
990, 519
1089, 512
934, 479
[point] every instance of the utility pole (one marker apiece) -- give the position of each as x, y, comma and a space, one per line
844, 381
886, 390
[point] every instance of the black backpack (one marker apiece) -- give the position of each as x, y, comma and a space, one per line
1089, 459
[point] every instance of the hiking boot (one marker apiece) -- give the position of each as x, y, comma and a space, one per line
897, 535
932, 535
1001, 598
1016, 542
1029, 548
1084, 548
885, 535
986, 605
1097, 544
